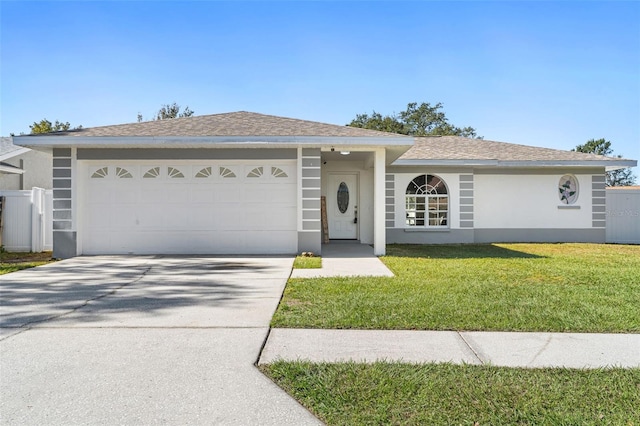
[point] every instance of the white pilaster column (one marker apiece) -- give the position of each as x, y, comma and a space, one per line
379, 233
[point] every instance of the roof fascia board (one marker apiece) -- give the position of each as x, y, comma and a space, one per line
571, 163
608, 164
177, 141
418, 162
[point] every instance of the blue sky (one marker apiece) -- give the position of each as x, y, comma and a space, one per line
545, 73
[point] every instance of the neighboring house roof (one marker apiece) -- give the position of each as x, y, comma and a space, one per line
240, 123
8, 168
9, 150
457, 150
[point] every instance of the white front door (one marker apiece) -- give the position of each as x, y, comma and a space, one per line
342, 206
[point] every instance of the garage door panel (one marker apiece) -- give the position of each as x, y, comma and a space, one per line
177, 216
206, 214
230, 217
97, 215
202, 194
130, 194
255, 194
101, 192
150, 216
94, 239
152, 194
253, 220
227, 193
281, 193
201, 217
264, 241
124, 216
150, 242
176, 194
280, 219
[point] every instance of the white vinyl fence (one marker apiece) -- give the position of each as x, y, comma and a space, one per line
623, 215
27, 223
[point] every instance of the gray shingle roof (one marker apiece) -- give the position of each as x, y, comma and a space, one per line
460, 148
229, 124
8, 149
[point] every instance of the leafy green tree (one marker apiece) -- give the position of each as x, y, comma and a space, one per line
593, 146
417, 120
376, 121
620, 177
168, 111
45, 126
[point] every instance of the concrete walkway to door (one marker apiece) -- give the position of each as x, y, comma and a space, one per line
142, 340
346, 259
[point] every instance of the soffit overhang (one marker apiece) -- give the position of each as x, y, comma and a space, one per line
608, 165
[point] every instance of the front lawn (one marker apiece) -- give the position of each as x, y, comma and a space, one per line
15, 261
511, 287
446, 394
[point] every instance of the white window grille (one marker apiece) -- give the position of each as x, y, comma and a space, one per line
427, 202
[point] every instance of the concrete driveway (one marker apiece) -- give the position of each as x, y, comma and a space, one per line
141, 340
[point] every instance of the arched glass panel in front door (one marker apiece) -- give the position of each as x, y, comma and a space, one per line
343, 197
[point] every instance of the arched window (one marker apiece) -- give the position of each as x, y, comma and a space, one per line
427, 202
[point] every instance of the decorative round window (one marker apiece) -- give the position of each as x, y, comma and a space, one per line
568, 189
343, 197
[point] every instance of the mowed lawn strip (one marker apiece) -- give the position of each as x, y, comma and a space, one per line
508, 287
304, 262
446, 394
15, 261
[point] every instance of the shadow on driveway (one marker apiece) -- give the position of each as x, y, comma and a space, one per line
161, 291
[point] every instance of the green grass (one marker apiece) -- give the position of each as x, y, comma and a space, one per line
15, 261
512, 287
446, 394
303, 262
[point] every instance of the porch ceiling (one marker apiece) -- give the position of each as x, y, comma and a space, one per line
392, 154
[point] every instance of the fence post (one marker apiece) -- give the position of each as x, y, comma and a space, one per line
37, 220
2, 207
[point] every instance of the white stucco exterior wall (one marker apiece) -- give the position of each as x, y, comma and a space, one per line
529, 201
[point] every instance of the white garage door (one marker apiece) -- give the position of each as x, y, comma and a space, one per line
171, 207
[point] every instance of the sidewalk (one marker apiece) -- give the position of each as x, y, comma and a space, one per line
509, 349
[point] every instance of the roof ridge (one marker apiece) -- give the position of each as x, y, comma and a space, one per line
227, 124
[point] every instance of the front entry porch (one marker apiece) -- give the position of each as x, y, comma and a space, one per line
353, 184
